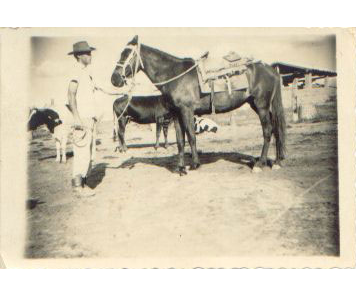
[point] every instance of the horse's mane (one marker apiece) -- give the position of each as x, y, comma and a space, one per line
169, 56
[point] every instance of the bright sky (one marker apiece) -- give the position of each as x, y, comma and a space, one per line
51, 66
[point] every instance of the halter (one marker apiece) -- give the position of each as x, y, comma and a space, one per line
129, 61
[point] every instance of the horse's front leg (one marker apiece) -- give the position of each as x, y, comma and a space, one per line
180, 143
188, 121
158, 131
121, 147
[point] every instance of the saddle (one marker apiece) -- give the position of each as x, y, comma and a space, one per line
224, 74
229, 65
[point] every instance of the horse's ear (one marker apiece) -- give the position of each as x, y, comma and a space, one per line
134, 40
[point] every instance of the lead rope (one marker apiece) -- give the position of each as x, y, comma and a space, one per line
129, 94
176, 77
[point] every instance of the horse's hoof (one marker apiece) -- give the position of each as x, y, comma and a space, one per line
256, 170
182, 171
276, 167
194, 167
156, 148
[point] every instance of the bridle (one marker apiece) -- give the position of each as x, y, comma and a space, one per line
129, 61
136, 49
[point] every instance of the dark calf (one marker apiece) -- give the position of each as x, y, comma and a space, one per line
141, 110
59, 131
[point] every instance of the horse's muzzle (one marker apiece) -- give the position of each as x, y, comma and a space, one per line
116, 80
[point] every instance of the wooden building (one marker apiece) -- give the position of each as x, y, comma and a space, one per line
305, 84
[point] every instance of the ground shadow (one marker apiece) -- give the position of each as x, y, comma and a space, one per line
96, 175
69, 155
32, 203
151, 145
170, 163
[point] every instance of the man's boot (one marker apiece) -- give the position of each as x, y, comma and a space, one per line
80, 189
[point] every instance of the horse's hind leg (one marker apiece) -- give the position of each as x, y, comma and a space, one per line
178, 124
188, 121
165, 133
266, 122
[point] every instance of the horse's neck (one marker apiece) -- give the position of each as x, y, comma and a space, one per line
160, 66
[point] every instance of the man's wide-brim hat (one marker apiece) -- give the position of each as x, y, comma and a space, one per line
81, 47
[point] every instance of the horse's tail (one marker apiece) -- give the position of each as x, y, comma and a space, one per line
278, 121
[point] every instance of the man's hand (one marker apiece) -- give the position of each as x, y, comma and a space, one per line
99, 89
117, 92
78, 123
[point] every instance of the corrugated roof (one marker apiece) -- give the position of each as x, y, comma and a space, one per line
286, 68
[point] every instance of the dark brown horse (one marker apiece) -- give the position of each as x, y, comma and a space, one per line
177, 79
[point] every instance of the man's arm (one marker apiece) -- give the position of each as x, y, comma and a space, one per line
116, 92
72, 93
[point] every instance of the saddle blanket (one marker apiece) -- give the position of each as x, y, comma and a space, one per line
235, 83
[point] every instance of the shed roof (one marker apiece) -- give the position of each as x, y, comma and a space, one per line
291, 71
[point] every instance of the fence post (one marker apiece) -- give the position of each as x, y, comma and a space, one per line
308, 81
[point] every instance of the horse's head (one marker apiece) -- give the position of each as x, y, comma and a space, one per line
129, 63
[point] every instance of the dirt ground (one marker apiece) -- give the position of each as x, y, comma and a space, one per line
143, 208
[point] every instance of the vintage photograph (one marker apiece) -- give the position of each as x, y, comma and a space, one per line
191, 144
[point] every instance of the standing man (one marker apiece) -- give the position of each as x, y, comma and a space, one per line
81, 102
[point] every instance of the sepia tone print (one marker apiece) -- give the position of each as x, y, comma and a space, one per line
247, 166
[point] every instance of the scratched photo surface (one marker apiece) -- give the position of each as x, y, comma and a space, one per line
232, 202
